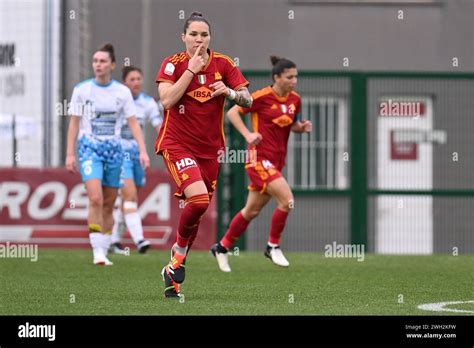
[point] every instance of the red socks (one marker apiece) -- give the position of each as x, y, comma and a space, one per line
278, 224
193, 236
237, 226
189, 222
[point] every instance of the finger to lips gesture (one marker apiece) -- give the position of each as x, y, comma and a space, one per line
196, 62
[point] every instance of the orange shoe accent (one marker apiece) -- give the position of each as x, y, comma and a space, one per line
177, 260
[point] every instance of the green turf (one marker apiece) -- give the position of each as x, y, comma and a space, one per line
318, 285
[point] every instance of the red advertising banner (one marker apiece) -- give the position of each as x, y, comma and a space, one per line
49, 207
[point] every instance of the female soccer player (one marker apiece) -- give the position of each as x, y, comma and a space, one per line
133, 175
98, 107
193, 86
275, 112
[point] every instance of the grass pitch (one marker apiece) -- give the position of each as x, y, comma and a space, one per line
65, 282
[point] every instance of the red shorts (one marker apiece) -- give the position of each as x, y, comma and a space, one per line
186, 169
261, 173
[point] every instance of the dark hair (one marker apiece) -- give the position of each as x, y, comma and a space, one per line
128, 69
280, 64
195, 17
109, 48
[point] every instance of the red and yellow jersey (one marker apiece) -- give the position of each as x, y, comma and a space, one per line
272, 117
196, 121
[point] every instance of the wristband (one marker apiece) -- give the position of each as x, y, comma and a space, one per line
192, 72
232, 94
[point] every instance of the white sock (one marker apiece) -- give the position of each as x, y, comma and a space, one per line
180, 250
134, 224
273, 245
96, 240
117, 229
106, 241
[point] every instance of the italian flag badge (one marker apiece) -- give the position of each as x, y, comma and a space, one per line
202, 79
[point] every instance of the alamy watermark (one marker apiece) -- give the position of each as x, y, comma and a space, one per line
67, 108
23, 251
401, 108
227, 155
37, 331
335, 250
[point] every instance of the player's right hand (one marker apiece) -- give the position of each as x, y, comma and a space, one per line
196, 63
71, 163
253, 138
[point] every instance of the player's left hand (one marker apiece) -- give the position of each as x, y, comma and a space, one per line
219, 88
144, 160
306, 126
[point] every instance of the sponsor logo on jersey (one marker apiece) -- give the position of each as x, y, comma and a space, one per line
169, 69
185, 163
283, 121
202, 94
267, 164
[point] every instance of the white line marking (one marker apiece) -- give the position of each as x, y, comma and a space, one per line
439, 307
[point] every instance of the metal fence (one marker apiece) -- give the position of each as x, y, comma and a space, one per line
388, 164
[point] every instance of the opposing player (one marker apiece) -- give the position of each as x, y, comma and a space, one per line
275, 112
97, 109
133, 174
193, 86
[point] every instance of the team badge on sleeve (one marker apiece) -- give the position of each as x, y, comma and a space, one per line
169, 69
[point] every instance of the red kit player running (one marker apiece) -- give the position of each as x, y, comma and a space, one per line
275, 112
193, 86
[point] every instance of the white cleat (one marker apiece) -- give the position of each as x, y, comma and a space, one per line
100, 258
117, 248
222, 258
276, 255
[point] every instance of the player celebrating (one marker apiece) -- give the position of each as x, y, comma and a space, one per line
275, 112
193, 86
98, 107
133, 175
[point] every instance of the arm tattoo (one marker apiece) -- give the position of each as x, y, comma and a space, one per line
244, 98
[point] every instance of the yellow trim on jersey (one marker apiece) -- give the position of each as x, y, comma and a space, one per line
255, 121
164, 80
220, 55
245, 84
222, 124
164, 131
211, 55
261, 92
280, 99
171, 168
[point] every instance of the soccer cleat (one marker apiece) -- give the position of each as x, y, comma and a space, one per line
172, 289
276, 255
143, 246
220, 253
100, 258
118, 248
176, 268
